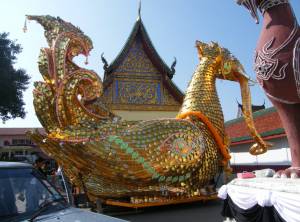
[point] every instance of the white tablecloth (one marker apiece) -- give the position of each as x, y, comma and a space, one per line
282, 194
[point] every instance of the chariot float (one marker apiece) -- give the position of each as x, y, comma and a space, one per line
133, 163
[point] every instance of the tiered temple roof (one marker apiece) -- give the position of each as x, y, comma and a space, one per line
138, 78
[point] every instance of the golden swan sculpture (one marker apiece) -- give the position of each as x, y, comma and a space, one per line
114, 158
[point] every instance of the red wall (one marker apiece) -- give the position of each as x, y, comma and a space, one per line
267, 122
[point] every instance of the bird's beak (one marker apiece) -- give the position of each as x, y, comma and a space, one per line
251, 6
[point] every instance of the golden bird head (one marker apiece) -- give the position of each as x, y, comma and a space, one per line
227, 66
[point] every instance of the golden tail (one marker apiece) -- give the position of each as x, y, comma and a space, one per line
260, 146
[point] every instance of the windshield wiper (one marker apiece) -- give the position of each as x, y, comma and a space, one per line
44, 206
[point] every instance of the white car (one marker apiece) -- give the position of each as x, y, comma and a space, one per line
25, 195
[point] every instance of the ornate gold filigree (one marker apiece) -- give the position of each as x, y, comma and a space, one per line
137, 60
115, 158
138, 93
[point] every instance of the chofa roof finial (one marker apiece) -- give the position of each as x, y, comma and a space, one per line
173, 68
139, 11
105, 64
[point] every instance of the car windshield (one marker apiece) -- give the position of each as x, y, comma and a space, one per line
22, 191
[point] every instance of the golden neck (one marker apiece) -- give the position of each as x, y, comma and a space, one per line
201, 95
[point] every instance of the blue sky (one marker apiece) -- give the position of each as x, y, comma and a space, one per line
173, 26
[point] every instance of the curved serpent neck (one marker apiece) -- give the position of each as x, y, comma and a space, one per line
201, 95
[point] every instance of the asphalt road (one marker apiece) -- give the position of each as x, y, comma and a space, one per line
198, 212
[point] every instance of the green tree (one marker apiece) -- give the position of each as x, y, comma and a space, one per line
12, 81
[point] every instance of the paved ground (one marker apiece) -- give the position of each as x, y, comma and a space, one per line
198, 212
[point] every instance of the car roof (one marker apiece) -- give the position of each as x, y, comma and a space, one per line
4, 164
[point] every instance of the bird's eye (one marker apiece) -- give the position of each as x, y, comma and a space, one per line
226, 68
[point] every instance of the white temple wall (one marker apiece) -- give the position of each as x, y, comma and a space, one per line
279, 154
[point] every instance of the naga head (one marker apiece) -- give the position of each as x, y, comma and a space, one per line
56, 28
252, 7
228, 67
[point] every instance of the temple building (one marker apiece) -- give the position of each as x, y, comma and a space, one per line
138, 83
15, 145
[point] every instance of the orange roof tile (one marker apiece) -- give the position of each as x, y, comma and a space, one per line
267, 123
